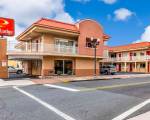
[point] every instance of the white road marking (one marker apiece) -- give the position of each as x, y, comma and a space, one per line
60, 87
132, 110
50, 107
146, 116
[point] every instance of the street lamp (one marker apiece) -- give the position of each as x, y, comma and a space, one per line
95, 42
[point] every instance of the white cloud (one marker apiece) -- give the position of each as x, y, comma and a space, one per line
109, 1
122, 14
145, 36
28, 11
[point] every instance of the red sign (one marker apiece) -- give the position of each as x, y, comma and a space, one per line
6, 27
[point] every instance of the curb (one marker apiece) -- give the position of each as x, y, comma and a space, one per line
98, 79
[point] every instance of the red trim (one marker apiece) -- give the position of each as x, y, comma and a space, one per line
51, 27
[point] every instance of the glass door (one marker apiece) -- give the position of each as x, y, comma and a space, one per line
59, 67
63, 67
68, 67
60, 45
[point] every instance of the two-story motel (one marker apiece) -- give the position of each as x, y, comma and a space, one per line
50, 47
130, 58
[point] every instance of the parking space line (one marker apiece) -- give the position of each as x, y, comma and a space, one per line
50, 107
114, 86
61, 87
132, 110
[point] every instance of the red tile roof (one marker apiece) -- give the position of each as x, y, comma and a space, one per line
53, 24
106, 37
44, 22
129, 47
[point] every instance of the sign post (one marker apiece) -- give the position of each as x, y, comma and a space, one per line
6, 29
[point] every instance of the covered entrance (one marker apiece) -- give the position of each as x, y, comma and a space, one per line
64, 67
30, 65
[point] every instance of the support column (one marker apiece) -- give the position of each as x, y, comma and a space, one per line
146, 66
125, 66
135, 67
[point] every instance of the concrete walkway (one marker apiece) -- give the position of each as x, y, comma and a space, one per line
145, 116
15, 82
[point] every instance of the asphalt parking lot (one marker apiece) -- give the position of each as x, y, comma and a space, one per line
86, 100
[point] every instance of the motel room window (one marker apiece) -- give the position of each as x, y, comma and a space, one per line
113, 55
88, 43
70, 43
147, 52
142, 65
142, 54
64, 42
134, 54
119, 54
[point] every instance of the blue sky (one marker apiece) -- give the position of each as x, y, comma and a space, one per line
121, 31
126, 21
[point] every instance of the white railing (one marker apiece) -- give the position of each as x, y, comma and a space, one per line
105, 53
126, 59
44, 48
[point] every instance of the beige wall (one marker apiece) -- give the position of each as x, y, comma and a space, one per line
85, 67
48, 64
48, 39
81, 66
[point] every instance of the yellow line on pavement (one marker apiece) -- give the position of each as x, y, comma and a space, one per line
114, 86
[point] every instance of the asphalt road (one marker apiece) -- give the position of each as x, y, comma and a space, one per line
88, 100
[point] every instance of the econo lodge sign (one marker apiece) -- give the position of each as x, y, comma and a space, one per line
6, 27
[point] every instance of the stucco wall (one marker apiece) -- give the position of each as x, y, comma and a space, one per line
88, 29
48, 39
81, 66
48, 64
3, 59
85, 67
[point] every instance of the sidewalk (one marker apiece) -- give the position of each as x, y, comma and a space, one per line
15, 82
145, 116
60, 79
65, 79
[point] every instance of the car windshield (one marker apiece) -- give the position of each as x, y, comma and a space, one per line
11, 67
111, 66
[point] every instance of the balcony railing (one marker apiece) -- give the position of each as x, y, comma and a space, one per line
41, 48
128, 59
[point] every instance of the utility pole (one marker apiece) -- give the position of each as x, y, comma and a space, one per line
95, 42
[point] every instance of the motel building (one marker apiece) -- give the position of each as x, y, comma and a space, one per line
129, 58
50, 47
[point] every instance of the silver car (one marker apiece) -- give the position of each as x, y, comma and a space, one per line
12, 69
108, 69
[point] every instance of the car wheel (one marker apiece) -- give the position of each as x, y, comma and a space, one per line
112, 73
106, 72
19, 72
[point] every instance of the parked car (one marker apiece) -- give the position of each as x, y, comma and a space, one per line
12, 69
108, 69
